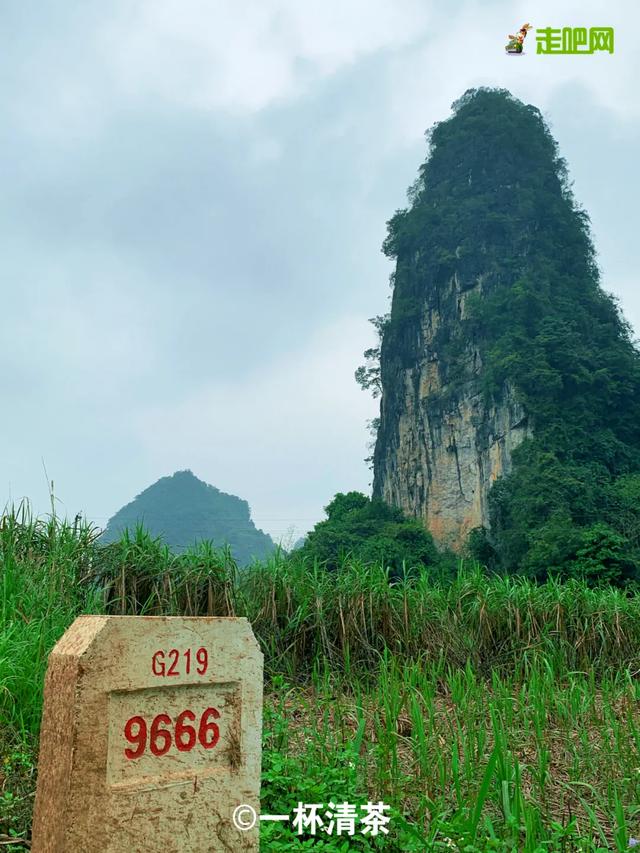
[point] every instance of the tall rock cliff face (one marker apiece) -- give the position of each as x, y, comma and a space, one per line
443, 439
440, 445
510, 381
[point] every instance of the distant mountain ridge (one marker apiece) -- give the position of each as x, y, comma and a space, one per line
184, 510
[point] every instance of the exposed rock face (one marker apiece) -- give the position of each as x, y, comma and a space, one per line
439, 450
449, 420
478, 233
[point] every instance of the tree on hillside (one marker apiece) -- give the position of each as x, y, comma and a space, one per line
371, 531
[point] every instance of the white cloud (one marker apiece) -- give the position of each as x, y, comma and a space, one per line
75, 322
242, 57
286, 439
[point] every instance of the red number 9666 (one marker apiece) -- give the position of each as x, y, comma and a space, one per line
160, 738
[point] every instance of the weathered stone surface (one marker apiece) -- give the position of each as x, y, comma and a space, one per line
151, 736
440, 445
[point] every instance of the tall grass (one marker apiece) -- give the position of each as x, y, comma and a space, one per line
538, 765
305, 618
46, 569
493, 713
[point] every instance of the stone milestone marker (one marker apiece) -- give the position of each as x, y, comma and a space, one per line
151, 737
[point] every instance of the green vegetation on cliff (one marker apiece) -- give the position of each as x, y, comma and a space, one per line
493, 207
184, 510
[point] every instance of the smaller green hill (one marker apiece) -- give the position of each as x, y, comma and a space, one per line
184, 510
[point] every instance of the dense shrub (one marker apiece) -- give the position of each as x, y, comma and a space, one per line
360, 528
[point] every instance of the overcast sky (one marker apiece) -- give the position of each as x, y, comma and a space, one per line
193, 198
